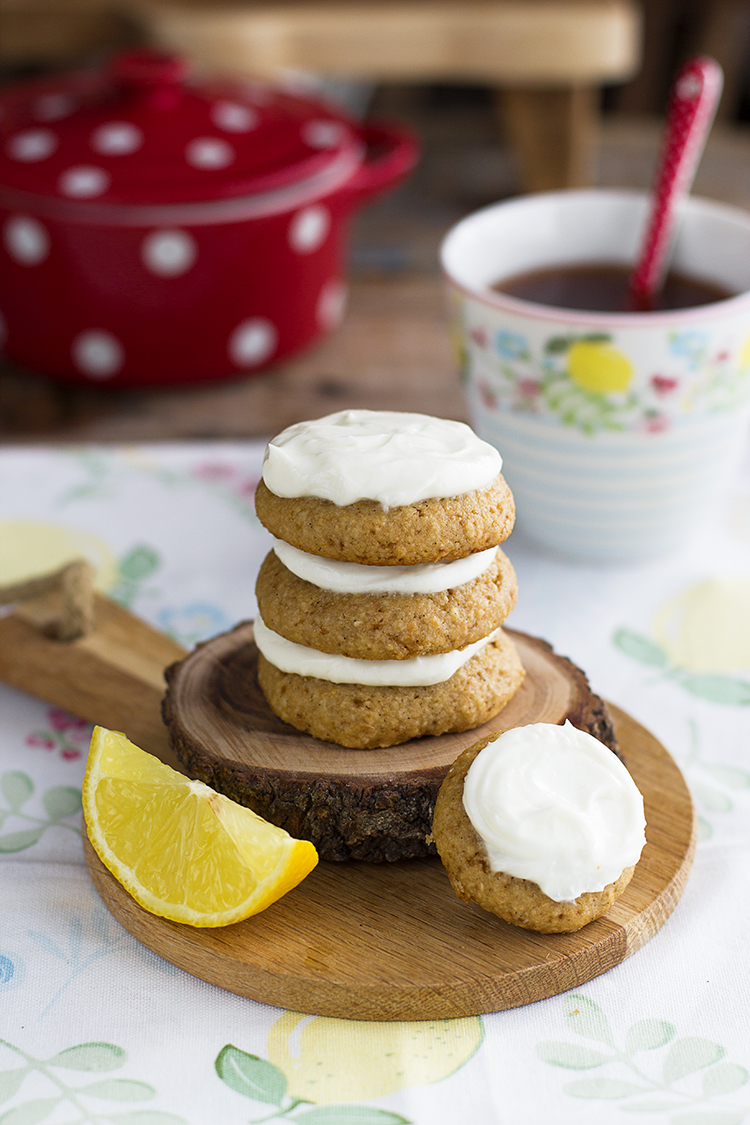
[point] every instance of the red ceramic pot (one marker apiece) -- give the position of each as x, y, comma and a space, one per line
159, 230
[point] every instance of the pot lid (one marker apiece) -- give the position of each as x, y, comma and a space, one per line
143, 131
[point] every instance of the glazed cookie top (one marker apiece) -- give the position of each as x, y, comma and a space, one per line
555, 806
390, 457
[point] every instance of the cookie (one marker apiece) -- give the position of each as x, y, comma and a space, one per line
384, 626
365, 532
363, 717
516, 900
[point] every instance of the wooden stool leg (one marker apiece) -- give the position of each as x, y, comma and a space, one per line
551, 133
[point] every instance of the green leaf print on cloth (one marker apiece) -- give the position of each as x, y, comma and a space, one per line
327, 1064
83, 1097
711, 782
133, 568
251, 1076
713, 687
700, 639
73, 951
104, 476
60, 803
96, 473
686, 1077
261, 1081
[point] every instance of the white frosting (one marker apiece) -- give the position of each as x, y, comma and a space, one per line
554, 805
354, 578
419, 671
391, 457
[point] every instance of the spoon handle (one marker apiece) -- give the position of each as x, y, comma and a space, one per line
692, 106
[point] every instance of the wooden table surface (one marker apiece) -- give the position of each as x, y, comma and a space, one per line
392, 352
393, 349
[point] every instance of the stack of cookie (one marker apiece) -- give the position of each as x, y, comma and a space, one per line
381, 604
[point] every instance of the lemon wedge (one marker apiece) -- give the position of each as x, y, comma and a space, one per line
180, 849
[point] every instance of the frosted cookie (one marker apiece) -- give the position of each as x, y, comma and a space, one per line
380, 613
382, 488
432, 698
542, 826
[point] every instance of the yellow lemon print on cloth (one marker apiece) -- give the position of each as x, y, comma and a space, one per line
745, 355
29, 548
330, 1060
599, 368
707, 627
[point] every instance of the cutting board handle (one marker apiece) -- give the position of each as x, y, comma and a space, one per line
109, 668
67, 609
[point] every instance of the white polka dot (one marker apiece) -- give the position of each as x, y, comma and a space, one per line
308, 229
26, 240
116, 138
209, 152
233, 117
689, 87
252, 342
54, 107
98, 354
331, 304
84, 182
32, 145
323, 134
168, 253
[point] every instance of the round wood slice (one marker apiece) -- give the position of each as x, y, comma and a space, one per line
393, 942
369, 805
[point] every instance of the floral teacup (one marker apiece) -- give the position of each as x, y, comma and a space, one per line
619, 431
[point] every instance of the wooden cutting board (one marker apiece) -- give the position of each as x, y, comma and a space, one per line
357, 940
393, 942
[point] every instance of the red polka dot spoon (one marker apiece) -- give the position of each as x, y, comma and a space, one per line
692, 106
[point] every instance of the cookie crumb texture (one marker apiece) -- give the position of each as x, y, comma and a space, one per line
518, 901
366, 533
365, 718
384, 626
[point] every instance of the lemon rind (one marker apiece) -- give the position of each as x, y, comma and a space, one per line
296, 860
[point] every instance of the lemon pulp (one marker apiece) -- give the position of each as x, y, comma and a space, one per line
183, 851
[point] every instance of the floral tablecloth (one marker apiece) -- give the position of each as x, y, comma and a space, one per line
95, 1028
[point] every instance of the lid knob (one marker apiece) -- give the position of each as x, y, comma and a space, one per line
155, 75
146, 67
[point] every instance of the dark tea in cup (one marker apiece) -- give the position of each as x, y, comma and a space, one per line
604, 287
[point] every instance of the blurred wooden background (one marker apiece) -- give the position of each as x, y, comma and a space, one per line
393, 349
43, 34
